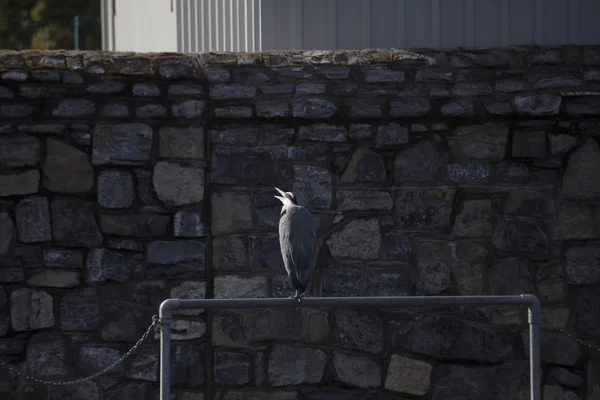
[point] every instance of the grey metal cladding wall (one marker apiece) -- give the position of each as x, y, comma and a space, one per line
254, 25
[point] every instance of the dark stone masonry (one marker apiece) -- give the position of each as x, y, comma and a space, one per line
129, 178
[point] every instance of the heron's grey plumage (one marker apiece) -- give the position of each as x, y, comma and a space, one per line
297, 240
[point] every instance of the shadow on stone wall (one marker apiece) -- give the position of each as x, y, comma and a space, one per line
126, 179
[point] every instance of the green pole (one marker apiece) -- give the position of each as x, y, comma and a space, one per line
76, 32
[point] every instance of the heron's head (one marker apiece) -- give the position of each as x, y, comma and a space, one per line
287, 198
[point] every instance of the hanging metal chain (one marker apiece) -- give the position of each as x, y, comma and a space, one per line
582, 342
88, 378
570, 335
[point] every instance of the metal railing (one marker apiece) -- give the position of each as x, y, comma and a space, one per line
524, 300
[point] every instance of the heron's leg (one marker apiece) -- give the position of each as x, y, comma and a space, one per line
298, 295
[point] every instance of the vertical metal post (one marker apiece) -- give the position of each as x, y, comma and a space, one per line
534, 318
76, 32
165, 319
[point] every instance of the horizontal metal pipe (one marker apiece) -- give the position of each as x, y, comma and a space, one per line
342, 302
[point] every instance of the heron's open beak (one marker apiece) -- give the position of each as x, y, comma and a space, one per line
282, 193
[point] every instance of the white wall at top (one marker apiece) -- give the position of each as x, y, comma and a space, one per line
139, 25
255, 25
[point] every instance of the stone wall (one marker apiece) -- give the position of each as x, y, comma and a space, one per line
129, 178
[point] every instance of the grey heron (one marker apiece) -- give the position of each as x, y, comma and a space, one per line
297, 240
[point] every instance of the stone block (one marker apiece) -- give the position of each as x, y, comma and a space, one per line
359, 239
505, 381
434, 265
32, 216
323, 133
19, 183
561, 143
186, 89
233, 286
179, 67
458, 108
145, 90
31, 310
234, 213
582, 265
538, 105
265, 254
109, 266
386, 281
19, 151
178, 258
144, 366
581, 180
317, 326
587, 107
138, 225
189, 224
148, 111
529, 144
122, 144
313, 108
365, 166
445, 338
231, 329
79, 311
469, 173
474, 219
106, 87
510, 276
178, 185
232, 91
420, 163
67, 169
233, 112
250, 167
531, 202
56, 279
470, 266
384, 76
74, 223
479, 142
356, 200
408, 375
433, 75
232, 369
74, 108
277, 324
357, 331
7, 232
587, 312
472, 89
272, 109
358, 371
521, 236
115, 110
229, 253
294, 365
576, 221
410, 108
360, 131
188, 364
95, 358
46, 355
115, 189
364, 108
344, 280
391, 135
312, 186
424, 208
